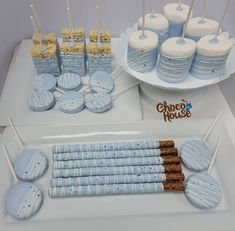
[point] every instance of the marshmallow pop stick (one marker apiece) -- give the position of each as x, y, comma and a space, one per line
188, 17
98, 11
39, 25
203, 11
143, 17
222, 19
36, 30
154, 7
20, 142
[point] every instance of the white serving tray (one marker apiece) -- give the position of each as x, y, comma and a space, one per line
13, 101
163, 211
152, 77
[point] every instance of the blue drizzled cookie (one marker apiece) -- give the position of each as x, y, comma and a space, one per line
101, 82
71, 102
30, 164
69, 81
196, 155
41, 100
99, 102
23, 200
203, 191
44, 82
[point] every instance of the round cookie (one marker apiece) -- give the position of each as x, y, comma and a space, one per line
71, 102
44, 82
41, 100
30, 164
99, 102
69, 81
101, 82
196, 155
23, 200
203, 191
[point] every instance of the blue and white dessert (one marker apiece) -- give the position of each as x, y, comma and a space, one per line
23, 200
142, 51
203, 191
196, 155
176, 57
198, 27
102, 190
101, 82
156, 23
99, 57
69, 81
30, 164
73, 57
71, 102
78, 35
211, 57
45, 59
46, 82
41, 100
99, 102
176, 14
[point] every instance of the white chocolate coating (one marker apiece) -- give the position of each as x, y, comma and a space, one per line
148, 43
158, 22
206, 45
172, 48
171, 12
197, 28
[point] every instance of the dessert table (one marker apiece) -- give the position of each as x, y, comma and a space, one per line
207, 103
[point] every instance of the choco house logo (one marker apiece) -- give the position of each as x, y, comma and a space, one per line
175, 111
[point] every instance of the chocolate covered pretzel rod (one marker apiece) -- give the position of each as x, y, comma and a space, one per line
124, 170
114, 189
142, 144
116, 179
115, 154
115, 162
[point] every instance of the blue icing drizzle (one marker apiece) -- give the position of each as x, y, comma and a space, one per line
141, 60
113, 146
30, 164
103, 180
23, 200
101, 190
99, 102
172, 69
70, 81
44, 82
196, 155
41, 100
203, 191
71, 102
101, 82
207, 67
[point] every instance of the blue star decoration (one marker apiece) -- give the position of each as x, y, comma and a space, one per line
188, 106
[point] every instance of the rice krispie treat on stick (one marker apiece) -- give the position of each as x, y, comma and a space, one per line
99, 57
78, 35
45, 59
73, 57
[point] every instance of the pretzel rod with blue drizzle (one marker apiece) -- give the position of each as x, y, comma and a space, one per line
115, 154
124, 170
116, 179
131, 145
113, 189
118, 162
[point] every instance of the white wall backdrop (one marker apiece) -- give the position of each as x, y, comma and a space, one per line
117, 15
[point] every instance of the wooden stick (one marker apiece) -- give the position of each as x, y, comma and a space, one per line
210, 129
214, 156
20, 142
222, 19
6, 154
188, 17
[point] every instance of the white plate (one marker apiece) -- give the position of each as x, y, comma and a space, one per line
13, 101
153, 79
163, 211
